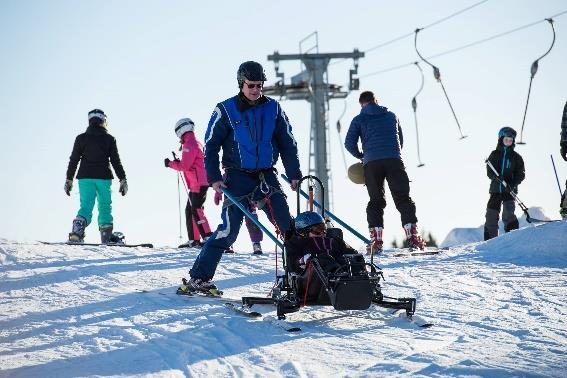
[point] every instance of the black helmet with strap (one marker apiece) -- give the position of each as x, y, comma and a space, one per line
250, 70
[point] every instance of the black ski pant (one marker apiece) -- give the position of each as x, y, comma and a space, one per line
194, 215
393, 171
509, 219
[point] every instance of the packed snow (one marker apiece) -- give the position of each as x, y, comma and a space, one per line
498, 308
464, 235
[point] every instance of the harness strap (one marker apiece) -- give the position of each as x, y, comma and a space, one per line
309, 274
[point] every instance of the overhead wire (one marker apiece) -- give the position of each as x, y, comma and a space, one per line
404, 36
459, 48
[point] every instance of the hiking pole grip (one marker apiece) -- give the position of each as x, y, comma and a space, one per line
252, 218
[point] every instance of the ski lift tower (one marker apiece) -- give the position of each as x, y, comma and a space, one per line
312, 85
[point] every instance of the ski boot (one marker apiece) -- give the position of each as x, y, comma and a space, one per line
415, 241
77, 234
256, 249
190, 244
117, 238
105, 233
229, 250
376, 243
197, 285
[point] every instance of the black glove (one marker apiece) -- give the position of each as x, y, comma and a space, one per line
123, 187
512, 187
564, 150
68, 187
166, 162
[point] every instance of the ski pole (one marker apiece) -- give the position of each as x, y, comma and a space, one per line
556, 177
511, 191
179, 206
182, 177
251, 217
329, 214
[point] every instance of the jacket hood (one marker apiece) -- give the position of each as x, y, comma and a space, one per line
373, 109
188, 137
96, 130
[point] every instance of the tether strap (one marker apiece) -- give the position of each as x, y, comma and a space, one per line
309, 273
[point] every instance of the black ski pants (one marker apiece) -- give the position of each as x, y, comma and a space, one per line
393, 171
495, 202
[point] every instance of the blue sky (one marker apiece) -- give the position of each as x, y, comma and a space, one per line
147, 64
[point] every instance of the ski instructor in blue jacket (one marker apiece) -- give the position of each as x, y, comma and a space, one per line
382, 140
253, 131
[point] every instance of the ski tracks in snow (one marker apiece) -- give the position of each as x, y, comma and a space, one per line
85, 308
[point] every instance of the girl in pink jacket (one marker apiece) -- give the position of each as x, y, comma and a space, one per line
193, 168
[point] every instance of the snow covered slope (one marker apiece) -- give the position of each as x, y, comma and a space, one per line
458, 236
499, 309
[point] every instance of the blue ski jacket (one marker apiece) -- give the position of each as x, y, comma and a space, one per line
251, 137
380, 133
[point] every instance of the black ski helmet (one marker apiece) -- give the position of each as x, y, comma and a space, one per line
304, 221
250, 70
507, 131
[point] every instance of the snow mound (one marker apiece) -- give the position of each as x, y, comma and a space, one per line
541, 245
465, 235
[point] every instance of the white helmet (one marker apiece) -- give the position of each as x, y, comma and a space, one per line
184, 125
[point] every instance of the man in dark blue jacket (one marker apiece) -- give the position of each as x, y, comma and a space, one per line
253, 131
382, 140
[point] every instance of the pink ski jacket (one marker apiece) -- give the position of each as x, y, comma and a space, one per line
191, 163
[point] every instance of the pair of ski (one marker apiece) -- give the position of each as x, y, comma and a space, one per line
145, 245
239, 308
245, 310
409, 252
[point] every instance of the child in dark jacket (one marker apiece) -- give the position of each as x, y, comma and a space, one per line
96, 150
510, 167
311, 240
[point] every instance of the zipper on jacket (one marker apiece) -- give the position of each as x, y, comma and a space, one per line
503, 166
256, 138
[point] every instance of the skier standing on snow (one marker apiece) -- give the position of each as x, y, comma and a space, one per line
94, 149
256, 234
510, 167
193, 168
252, 131
382, 141
563, 144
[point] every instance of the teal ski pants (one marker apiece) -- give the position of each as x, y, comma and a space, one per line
99, 189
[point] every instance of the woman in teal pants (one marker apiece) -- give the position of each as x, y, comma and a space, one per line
96, 149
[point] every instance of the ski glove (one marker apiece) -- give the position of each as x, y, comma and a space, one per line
564, 150
123, 187
68, 187
218, 197
166, 162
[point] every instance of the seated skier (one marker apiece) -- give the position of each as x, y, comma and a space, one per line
311, 241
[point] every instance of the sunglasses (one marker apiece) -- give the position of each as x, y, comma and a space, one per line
252, 86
